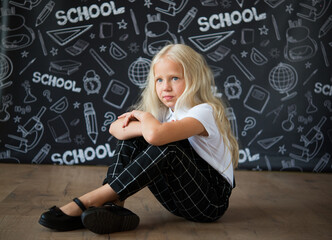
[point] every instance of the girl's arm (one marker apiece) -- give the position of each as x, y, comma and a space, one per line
133, 129
157, 133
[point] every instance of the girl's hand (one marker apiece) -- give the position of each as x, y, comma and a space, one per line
131, 116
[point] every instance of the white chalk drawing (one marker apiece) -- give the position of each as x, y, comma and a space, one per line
46, 11
276, 28
138, 71
257, 57
91, 82
313, 10
247, 36
243, 69
59, 129
28, 5
209, 3
78, 47
274, 3
289, 165
29, 97
41, 155
232, 119
256, 99
288, 124
117, 52
219, 54
312, 142
6, 69
66, 67
47, 94
269, 142
31, 133
283, 78
172, 7
233, 87
101, 62
187, 19
328, 104
254, 138
116, 94
105, 30
325, 28
326, 60
91, 121
311, 107
134, 20
208, 41
60, 106
275, 112
157, 35
65, 35
110, 117
250, 123
300, 46
27, 66
42, 43
15, 35
6, 101
322, 163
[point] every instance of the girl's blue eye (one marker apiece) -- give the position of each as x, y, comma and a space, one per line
159, 80
175, 78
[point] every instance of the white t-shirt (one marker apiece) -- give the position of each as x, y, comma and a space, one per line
211, 148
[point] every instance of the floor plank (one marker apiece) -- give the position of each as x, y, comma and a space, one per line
264, 205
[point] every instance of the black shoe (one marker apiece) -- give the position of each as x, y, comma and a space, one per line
109, 218
58, 220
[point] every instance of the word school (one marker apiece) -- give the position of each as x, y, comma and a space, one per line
221, 20
79, 14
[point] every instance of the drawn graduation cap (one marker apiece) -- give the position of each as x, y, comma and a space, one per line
208, 41
65, 35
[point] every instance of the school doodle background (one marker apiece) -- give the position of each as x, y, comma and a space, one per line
68, 68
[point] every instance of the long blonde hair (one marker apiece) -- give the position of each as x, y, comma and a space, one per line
199, 82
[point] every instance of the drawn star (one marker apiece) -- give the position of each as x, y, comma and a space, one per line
233, 41
299, 129
24, 54
282, 149
289, 8
244, 54
54, 51
92, 35
76, 105
147, 3
263, 30
122, 24
17, 119
307, 65
102, 48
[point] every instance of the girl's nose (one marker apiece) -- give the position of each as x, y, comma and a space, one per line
166, 85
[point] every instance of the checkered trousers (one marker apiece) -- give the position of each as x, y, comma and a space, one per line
178, 177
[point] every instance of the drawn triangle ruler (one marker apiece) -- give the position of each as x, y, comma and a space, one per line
269, 142
205, 42
65, 35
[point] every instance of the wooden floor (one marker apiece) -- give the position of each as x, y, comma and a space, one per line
264, 205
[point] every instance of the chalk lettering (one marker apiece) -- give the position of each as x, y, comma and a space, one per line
221, 20
323, 89
84, 13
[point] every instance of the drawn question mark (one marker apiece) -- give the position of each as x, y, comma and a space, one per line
110, 117
47, 94
250, 123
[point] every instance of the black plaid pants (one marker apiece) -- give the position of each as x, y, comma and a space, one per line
178, 177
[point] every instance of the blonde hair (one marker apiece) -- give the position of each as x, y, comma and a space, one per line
199, 82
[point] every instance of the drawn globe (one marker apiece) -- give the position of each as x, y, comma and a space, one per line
283, 78
138, 71
6, 67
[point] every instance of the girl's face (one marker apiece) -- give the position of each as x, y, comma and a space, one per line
169, 81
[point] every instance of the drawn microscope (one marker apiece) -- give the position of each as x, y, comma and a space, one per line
32, 131
313, 141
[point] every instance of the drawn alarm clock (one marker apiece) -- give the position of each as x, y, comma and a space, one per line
91, 81
233, 88
16, 35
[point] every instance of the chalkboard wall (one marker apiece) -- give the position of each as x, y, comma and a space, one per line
69, 68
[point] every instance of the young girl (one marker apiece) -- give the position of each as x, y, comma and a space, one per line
177, 141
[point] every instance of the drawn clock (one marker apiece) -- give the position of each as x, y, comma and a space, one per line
91, 82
